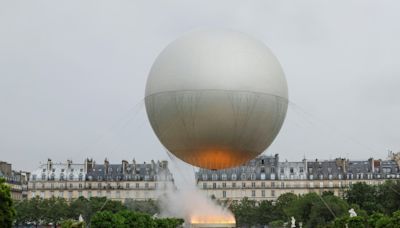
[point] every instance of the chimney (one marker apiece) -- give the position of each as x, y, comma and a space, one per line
372, 165
106, 165
124, 167
89, 165
69, 163
49, 164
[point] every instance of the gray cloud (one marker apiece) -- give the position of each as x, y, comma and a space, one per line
72, 74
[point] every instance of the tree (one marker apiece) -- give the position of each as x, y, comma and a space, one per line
146, 206
55, 210
265, 212
363, 195
88, 207
389, 196
244, 212
168, 222
136, 219
283, 202
22, 212
7, 211
106, 219
314, 210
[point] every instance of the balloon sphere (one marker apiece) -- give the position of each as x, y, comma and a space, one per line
216, 98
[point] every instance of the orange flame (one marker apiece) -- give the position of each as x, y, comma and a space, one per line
226, 219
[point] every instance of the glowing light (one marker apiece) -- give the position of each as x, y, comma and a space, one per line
212, 220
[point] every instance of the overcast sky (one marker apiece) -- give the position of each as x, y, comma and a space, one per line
73, 73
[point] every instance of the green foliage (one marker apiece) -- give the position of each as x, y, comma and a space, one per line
363, 195
389, 196
54, 209
7, 211
276, 224
146, 206
168, 222
244, 212
125, 219
136, 219
106, 219
70, 223
356, 222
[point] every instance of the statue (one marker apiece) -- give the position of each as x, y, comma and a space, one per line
293, 222
352, 213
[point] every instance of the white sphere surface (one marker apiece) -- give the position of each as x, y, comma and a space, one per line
216, 98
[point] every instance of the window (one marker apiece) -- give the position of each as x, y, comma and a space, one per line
80, 186
253, 193
291, 170
282, 171
99, 185
204, 176
204, 185
214, 185
272, 184
223, 194
34, 177
137, 185
234, 176
321, 184
89, 194
282, 184
98, 193
262, 176
253, 176
62, 176
234, 185
127, 185
224, 185
263, 184
272, 192
146, 185
243, 184
301, 169
43, 176
224, 176
214, 177
263, 193
243, 177
253, 184
71, 176
118, 194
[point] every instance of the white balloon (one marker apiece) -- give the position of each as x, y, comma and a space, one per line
216, 98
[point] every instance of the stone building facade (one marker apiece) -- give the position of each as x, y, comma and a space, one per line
266, 178
17, 180
114, 181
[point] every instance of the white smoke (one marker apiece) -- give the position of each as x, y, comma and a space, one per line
187, 201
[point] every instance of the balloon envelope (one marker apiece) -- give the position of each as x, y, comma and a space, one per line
216, 98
